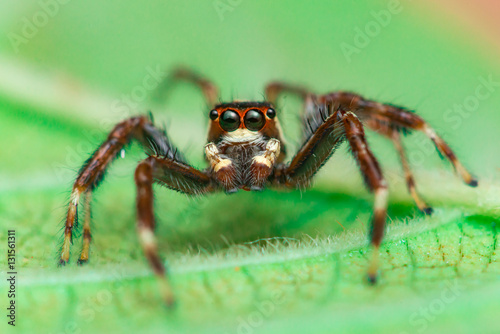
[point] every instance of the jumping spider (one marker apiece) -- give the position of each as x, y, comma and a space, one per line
246, 151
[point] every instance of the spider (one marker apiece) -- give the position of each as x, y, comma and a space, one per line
246, 150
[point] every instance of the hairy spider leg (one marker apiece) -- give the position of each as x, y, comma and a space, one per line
390, 120
318, 148
313, 105
91, 174
384, 119
86, 238
174, 175
410, 180
374, 180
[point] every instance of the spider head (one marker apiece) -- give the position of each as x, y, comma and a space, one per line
243, 120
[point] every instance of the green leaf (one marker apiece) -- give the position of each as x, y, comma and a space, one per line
270, 262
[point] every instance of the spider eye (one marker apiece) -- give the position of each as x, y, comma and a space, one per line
229, 120
213, 115
254, 120
271, 113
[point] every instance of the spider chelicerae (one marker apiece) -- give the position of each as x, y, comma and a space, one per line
245, 150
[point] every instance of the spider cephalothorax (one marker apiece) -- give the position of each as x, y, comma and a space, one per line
245, 150
244, 143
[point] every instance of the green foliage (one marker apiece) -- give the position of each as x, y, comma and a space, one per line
296, 266
271, 262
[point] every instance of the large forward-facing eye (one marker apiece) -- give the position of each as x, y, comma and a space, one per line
229, 120
254, 120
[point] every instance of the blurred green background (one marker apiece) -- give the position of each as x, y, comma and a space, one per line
250, 263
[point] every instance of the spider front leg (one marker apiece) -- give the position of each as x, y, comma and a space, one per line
89, 177
317, 149
177, 176
390, 121
92, 173
387, 119
374, 180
